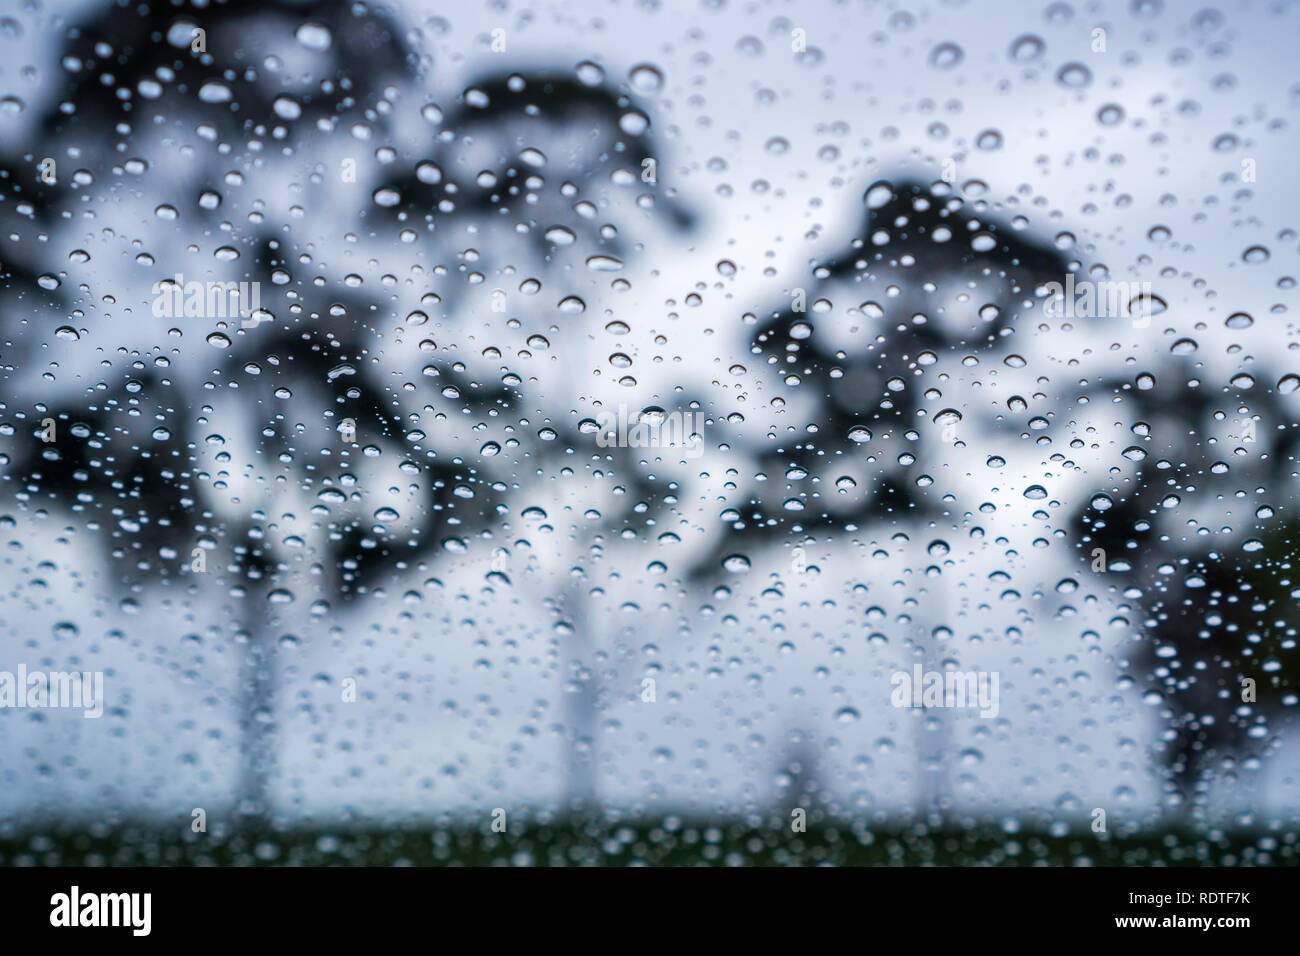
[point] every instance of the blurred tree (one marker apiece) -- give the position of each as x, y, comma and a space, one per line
223, 63
537, 156
1216, 614
855, 372
232, 473
128, 463
939, 278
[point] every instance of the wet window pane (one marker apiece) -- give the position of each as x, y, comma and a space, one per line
654, 433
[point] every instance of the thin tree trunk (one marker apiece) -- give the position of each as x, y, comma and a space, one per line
256, 713
580, 708
933, 743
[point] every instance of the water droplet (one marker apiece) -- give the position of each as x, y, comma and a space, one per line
314, 36
878, 194
1026, 48
735, 563
589, 73
1112, 114
214, 92
946, 56
1074, 75
286, 109
646, 78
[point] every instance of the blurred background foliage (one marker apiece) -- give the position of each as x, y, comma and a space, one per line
1204, 618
